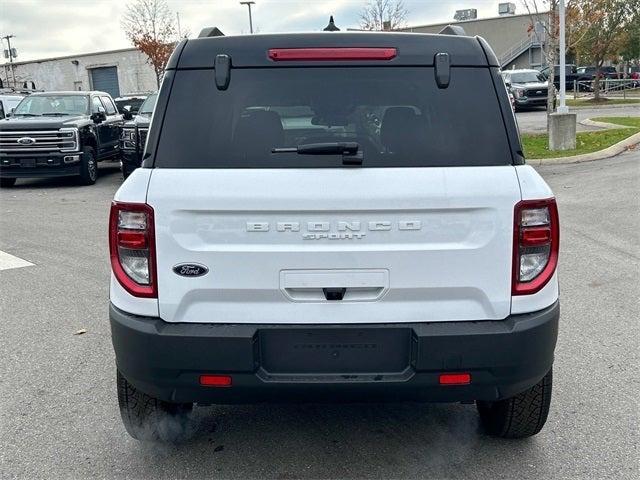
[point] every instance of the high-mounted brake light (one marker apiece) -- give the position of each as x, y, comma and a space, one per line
536, 242
329, 54
132, 248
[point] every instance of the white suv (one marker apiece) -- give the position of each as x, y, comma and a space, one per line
334, 216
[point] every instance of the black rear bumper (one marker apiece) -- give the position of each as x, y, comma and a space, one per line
293, 362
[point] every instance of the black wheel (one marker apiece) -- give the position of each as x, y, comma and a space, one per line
7, 182
126, 171
88, 167
520, 416
148, 419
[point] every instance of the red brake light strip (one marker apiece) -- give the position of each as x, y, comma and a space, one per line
331, 54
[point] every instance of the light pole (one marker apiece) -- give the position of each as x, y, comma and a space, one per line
563, 50
248, 4
11, 55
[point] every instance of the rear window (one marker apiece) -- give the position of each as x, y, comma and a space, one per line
397, 115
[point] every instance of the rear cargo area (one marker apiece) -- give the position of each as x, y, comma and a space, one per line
406, 245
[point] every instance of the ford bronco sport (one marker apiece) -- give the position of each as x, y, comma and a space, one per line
334, 216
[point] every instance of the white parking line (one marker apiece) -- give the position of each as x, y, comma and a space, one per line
8, 261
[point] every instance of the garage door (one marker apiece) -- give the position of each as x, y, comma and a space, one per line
105, 79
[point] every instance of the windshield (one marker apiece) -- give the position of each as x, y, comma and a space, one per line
57, 105
397, 116
149, 104
527, 77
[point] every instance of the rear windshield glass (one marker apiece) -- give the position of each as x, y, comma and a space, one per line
397, 116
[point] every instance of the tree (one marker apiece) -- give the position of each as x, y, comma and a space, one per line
149, 24
383, 15
631, 40
606, 24
545, 25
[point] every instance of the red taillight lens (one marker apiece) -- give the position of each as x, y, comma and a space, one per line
455, 378
215, 380
132, 248
536, 241
329, 54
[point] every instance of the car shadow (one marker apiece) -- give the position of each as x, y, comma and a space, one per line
105, 170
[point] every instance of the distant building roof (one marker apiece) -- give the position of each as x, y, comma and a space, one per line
473, 20
72, 56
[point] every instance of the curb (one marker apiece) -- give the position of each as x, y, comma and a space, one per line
604, 105
605, 125
608, 152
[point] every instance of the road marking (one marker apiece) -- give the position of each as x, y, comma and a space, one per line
8, 261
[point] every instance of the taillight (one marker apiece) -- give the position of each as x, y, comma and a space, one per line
132, 247
536, 240
331, 54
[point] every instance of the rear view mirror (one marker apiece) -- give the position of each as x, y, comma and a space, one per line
98, 117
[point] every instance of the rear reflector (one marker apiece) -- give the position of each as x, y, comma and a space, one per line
329, 54
455, 378
215, 380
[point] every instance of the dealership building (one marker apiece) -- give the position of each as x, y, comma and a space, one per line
118, 72
516, 39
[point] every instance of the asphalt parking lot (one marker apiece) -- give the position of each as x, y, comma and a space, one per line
59, 415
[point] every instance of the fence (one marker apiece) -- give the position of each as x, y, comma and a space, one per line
609, 87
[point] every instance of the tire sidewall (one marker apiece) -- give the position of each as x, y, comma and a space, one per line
89, 166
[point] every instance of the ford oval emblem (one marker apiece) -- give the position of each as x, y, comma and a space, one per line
26, 141
190, 270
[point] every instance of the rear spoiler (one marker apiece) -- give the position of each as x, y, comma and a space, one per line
452, 30
210, 32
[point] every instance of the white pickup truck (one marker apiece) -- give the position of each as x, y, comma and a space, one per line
332, 217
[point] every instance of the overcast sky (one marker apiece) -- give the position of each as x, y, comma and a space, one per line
48, 28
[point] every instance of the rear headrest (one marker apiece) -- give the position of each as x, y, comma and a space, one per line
258, 132
399, 126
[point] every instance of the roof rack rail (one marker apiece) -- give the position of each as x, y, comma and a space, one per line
452, 30
210, 32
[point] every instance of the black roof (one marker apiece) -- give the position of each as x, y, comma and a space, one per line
412, 49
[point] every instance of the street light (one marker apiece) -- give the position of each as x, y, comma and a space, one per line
248, 4
563, 48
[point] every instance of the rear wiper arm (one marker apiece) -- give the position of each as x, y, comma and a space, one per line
55, 114
350, 151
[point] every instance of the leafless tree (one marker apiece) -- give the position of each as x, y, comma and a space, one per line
383, 15
150, 26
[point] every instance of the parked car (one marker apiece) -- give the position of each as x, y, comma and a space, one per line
569, 76
54, 134
130, 103
8, 102
589, 73
328, 219
134, 135
529, 87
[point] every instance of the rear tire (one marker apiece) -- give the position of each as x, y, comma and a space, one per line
7, 182
149, 419
88, 167
520, 416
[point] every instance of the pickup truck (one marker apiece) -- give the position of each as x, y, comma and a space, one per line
57, 134
333, 217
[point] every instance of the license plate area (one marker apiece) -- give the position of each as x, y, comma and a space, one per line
28, 162
335, 351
